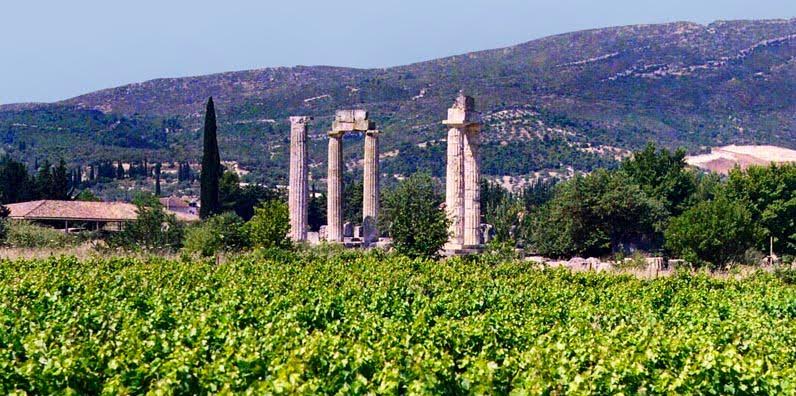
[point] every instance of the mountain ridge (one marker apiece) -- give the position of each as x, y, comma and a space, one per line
570, 96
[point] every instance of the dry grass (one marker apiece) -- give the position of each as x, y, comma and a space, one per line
84, 251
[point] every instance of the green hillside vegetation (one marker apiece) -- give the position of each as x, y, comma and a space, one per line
547, 104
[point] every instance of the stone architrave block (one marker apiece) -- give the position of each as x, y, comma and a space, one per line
344, 115
456, 116
360, 114
343, 126
363, 125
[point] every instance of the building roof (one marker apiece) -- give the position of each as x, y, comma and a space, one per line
173, 202
80, 211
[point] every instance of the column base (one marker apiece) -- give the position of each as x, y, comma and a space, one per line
451, 249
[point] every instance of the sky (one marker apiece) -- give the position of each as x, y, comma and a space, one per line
55, 49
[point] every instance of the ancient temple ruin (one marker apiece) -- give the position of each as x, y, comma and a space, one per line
462, 191
344, 121
463, 176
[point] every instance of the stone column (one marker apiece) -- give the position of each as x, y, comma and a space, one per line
472, 187
462, 194
454, 189
298, 190
370, 187
334, 203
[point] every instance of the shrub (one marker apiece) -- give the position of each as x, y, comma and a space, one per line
154, 229
23, 234
712, 233
220, 233
269, 226
4, 212
415, 220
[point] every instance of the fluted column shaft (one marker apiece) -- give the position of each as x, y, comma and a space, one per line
298, 188
454, 187
370, 187
472, 187
334, 203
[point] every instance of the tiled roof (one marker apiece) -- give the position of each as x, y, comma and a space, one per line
173, 202
73, 210
80, 210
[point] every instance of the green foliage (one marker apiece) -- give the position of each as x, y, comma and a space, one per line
211, 165
375, 324
770, 193
352, 201
23, 234
594, 215
154, 229
663, 175
87, 195
506, 217
414, 218
16, 185
4, 212
712, 233
242, 200
270, 225
219, 233
316, 210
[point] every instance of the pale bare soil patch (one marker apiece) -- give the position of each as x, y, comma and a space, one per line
723, 159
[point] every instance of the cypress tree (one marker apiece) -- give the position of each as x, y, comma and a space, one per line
211, 166
120, 171
157, 179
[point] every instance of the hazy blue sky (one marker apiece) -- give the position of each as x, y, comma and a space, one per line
56, 49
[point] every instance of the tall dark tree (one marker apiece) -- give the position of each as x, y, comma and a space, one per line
15, 183
120, 171
211, 166
43, 180
157, 179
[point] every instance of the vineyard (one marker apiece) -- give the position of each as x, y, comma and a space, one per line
352, 323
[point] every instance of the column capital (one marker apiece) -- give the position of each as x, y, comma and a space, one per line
336, 134
372, 132
462, 113
300, 119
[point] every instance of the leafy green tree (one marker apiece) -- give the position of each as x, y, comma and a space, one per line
506, 218
538, 193
154, 229
352, 201
595, 214
87, 196
712, 233
211, 166
219, 233
770, 194
662, 175
414, 217
316, 210
270, 225
492, 194
243, 200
